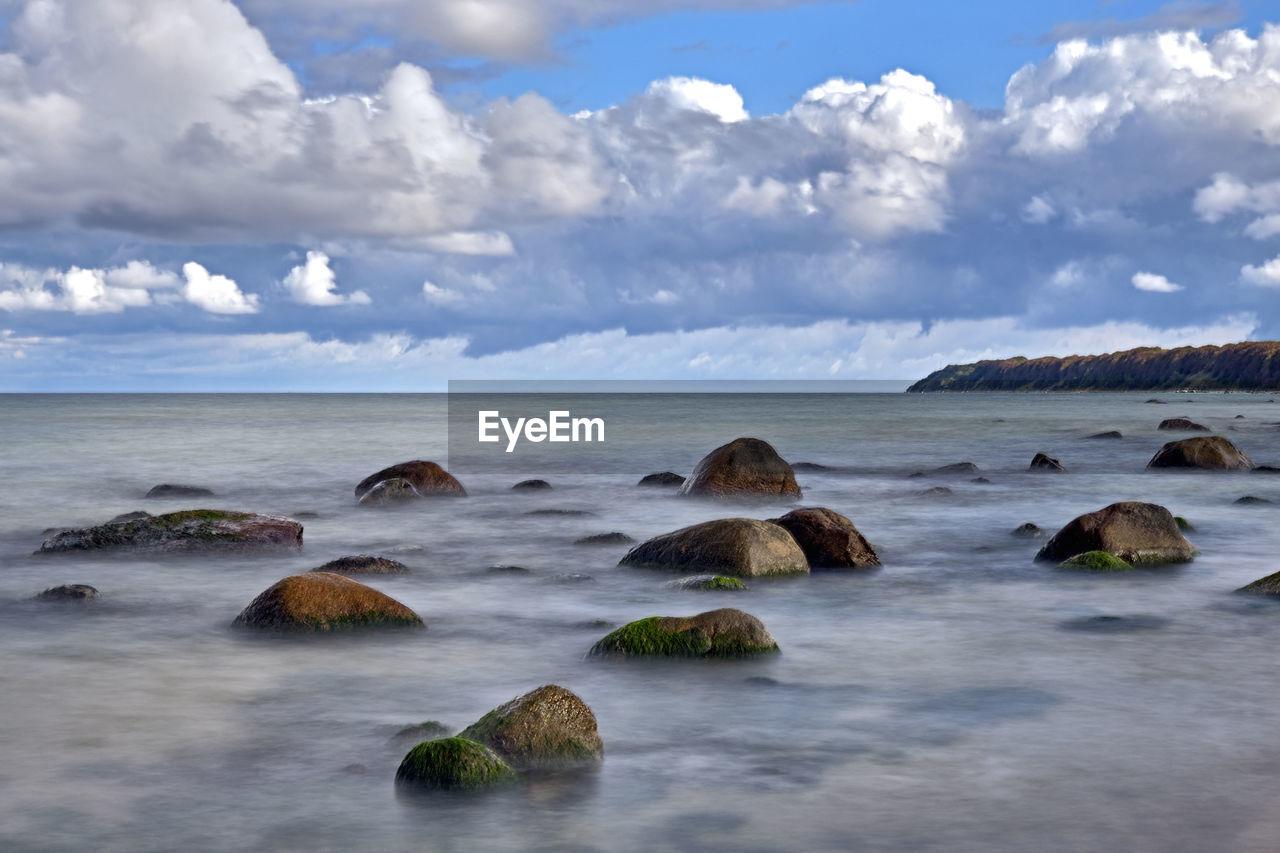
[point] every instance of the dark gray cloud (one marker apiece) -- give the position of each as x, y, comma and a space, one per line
1178, 15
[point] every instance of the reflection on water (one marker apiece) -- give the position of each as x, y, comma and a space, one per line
963, 697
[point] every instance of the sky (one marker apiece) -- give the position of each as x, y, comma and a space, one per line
384, 195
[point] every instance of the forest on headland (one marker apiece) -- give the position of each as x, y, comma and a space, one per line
1246, 366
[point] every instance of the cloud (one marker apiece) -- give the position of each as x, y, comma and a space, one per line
1153, 283
313, 283
1178, 15
439, 295
1263, 275
689, 93
216, 293
81, 291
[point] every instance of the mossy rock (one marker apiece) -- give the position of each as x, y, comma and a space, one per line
724, 633
187, 530
1183, 524
453, 764
711, 583
1270, 585
1131, 530
1096, 561
323, 601
547, 728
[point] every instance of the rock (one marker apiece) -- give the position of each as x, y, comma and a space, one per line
508, 570
546, 728
323, 601
427, 478
811, 466
531, 486
666, 478
1133, 531
1251, 499
614, 538
936, 491
1182, 523
1044, 462
956, 468
564, 512
1096, 561
1182, 424
1154, 400
428, 730
188, 530
745, 467
453, 764
1265, 469
363, 564
1270, 585
69, 592
1209, 451
742, 547
724, 633
130, 516
393, 491
172, 490
1115, 624
829, 540
1027, 531
1111, 433
1239, 417
707, 583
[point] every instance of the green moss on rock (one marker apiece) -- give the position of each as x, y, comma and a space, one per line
1183, 524
453, 764
1096, 561
723, 633
546, 728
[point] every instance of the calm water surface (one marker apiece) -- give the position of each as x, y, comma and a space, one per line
960, 699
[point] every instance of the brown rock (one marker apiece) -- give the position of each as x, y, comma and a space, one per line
364, 564
1133, 531
323, 601
829, 540
427, 478
724, 633
1207, 451
1183, 424
546, 728
742, 547
745, 467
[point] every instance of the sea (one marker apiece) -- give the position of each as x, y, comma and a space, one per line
964, 697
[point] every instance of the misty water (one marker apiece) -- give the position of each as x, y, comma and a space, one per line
963, 697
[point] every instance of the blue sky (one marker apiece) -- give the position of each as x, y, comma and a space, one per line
385, 195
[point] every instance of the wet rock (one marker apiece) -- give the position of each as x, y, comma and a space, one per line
1265, 469
69, 592
1028, 531
304, 515
1251, 500
508, 570
811, 466
188, 530
1211, 452
981, 481
666, 478
1111, 433
1182, 523
745, 467
560, 512
614, 538
742, 547
1182, 424
1044, 462
417, 733
708, 583
956, 469
174, 490
546, 728
364, 564
829, 540
453, 764
1154, 400
1270, 585
323, 601
531, 486
714, 634
1239, 417
129, 516
1096, 561
935, 492
1115, 624
427, 478
392, 491
1138, 533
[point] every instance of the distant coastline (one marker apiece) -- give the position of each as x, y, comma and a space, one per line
1247, 366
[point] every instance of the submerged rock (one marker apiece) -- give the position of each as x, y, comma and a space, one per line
708, 583
1182, 424
665, 478
130, 516
69, 592
829, 540
427, 479
175, 490
393, 491
323, 601
187, 530
1028, 531
1044, 462
453, 764
1270, 585
418, 732
614, 538
1111, 433
1133, 531
742, 547
936, 491
531, 486
1115, 624
1096, 561
745, 467
364, 564
547, 728
560, 512
811, 466
1207, 451
1251, 499
956, 469
714, 634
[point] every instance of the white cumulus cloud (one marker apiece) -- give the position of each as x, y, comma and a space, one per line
1154, 283
313, 283
216, 293
1262, 275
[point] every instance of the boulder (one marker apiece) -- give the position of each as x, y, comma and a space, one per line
724, 633
1096, 561
829, 540
1206, 451
1183, 425
745, 467
1133, 531
324, 601
666, 478
1044, 462
1270, 585
614, 538
546, 728
363, 564
956, 469
69, 592
188, 530
1251, 499
427, 478
708, 583
1111, 433
130, 516
531, 486
935, 492
391, 491
419, 732
1027, 531
742, 547
452, 764
174, 490
811, 466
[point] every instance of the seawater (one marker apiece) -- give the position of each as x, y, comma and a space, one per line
954, 700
